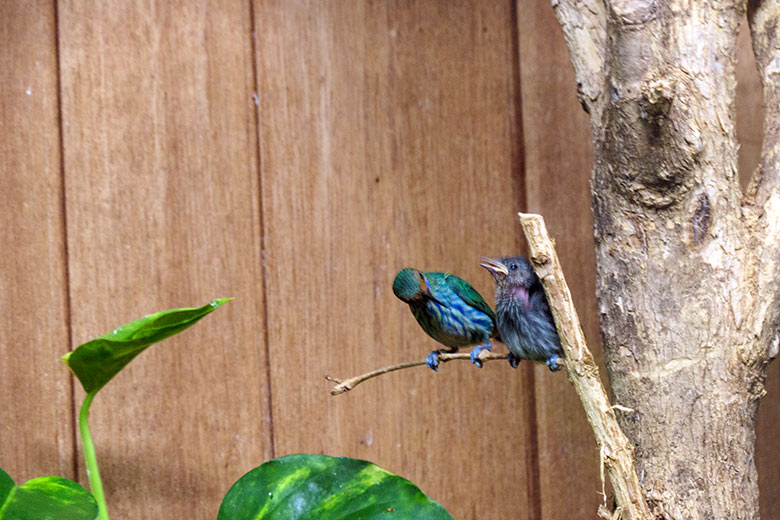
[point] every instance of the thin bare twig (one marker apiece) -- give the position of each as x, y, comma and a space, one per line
348, 384
616, 452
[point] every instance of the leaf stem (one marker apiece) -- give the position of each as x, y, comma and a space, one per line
95, 484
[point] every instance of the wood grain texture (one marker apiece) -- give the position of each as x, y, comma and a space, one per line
558, 159
35, 415
388, 138
163, 211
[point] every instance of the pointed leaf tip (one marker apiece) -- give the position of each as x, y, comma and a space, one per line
97, 361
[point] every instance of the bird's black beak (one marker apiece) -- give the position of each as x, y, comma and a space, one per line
496, 268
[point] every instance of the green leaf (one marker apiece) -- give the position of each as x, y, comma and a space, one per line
96, 362
317, 486
45, 498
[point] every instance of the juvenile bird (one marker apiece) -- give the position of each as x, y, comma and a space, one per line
449, 310
524, 319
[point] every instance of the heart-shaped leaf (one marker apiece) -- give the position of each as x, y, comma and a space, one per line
96, 362
45, 498
318, 486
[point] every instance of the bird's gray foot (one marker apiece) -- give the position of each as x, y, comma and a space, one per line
513, 360
432, 361
552, 364
475, 353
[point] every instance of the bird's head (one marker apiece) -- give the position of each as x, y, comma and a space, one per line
515, 278
410, 285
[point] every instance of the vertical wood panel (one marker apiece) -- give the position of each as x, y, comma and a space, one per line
558, 163
389, 138
35, 415
162, 201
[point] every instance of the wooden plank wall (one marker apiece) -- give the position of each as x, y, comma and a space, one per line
160, 166
405, 125
36, 424
294, 155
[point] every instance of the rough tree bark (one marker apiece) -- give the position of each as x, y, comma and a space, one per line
687, 264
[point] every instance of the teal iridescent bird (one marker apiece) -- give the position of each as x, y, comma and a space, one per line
449, 310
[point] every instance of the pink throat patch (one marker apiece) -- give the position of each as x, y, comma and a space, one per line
521, 293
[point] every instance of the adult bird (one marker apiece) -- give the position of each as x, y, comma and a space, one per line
524, 319
449, 310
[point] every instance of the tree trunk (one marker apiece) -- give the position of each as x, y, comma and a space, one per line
686, 263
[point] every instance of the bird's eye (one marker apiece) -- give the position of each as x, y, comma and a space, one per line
513, 267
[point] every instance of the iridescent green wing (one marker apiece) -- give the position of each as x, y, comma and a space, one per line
469, 295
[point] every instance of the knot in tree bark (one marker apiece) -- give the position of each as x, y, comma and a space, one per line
652, 142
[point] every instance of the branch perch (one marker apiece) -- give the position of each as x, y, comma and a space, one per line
617, 451
348, 384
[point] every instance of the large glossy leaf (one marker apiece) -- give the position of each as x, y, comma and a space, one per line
96, 362
321, 487
45, 498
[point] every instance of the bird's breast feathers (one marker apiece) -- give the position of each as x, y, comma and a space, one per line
453, 324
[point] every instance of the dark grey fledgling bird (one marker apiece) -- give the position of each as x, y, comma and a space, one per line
524, 320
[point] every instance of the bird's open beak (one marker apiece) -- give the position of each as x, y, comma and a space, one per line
495, 267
